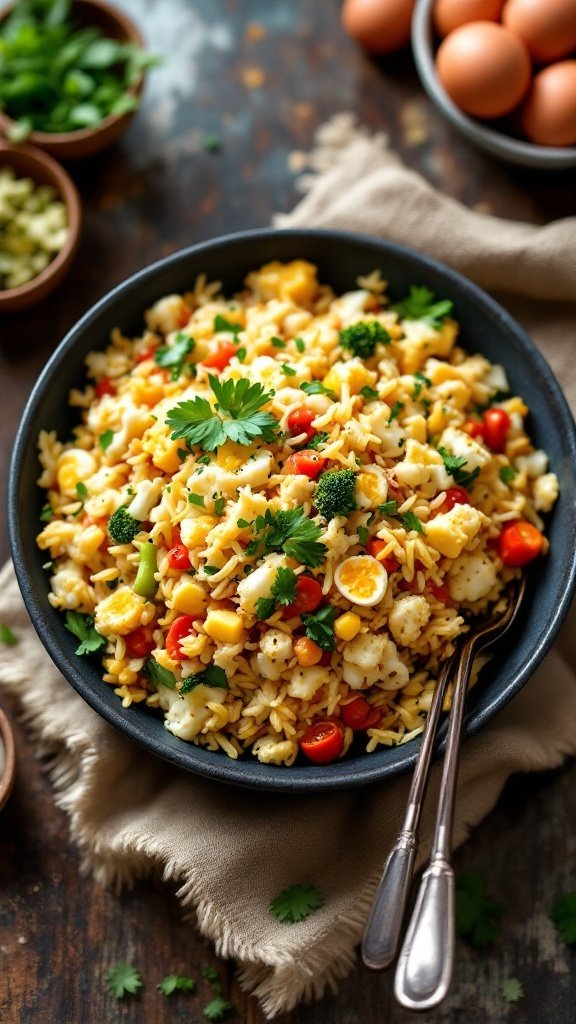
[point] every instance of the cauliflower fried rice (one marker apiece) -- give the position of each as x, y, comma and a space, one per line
280, 511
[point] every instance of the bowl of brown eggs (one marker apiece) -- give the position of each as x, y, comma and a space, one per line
503, 72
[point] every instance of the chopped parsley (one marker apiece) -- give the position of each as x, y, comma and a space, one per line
176, 983
236, 417
363, 535
316, 387
217, 1008
196, 499
122, 980
283, 592
241, 355
395, 411
211, 676
47, 513
221, 323
288, 370
173, 356
409, 520
320, 627
219, 504
477, 918
299, 344
290, 531
421, 304
453, 465
420, 382
278, 342
361, 338
211, 570
507, 474
369, 394
82, 626
7, 637
296, 903
159, 675
512, 990
105, 439
81, 494
563, 914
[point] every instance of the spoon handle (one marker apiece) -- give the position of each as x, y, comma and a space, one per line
382, 934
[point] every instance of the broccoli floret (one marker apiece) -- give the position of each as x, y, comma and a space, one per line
122, 526
335, 493
362, 338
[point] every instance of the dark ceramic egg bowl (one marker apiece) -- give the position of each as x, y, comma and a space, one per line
341, 258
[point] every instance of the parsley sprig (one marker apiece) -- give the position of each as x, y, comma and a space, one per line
236, 416
82, 626
283, 592
453, 465
173, 356
477, 918
421, 304
409, 520
296, 903
320, 627
176, 983
289, 531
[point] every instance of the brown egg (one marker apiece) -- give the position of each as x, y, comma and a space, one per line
381, 26
549, 113
450, 14
484, 68
548, 27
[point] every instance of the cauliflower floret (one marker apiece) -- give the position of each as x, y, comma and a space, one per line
545, 492
134, 424
275, 652
255, 472
534, 465
69, 588
458, 442
392, 435
351, 305
74, 466
147, 496
119, 613
57, 535
366, 650
407, 618
168, 314
273, 751
393, 673
306, 681
259, 583
295, 490
187, 715
450, 531
389, 672
471, 577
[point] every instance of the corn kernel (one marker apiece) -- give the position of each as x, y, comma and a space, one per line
189, 597
347, 626
224, 625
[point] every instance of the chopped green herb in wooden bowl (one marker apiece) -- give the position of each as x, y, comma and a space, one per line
71, 72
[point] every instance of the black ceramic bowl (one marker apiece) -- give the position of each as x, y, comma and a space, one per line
341, 257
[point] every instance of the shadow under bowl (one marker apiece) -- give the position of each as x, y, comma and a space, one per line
341, 258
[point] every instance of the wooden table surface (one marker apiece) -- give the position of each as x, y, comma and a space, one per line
261, 76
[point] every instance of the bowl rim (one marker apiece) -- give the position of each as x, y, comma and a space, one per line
310, 778
495, 142
132, 34
67, 193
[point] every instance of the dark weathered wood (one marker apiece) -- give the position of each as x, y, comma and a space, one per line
274, 72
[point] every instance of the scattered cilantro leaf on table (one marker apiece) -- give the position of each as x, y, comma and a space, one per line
236, 416
211, 974
477, 918
512, 990
217, 1008
82, 626
176, 983
296, 903
563, 914
421, 304
7, 637
122, 980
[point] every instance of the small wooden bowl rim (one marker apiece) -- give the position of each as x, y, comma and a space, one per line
67, 192
132, 33
9, 771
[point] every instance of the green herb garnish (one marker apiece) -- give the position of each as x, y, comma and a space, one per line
420, 304
211, 676
221, 323
82, 626
453, 465
105, 439
7, 637
236, 417
173, 356
290, 531
159, 675
122, 980
283, 592
176, 983
369, 394
316, 387
296, 903
395, 411
320, 627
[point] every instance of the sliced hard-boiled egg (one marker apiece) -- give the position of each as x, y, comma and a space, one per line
371, 487
362, 580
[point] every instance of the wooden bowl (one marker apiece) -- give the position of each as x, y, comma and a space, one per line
87, 141
7, 759
32, 163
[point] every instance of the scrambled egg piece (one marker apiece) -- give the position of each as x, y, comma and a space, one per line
450, 531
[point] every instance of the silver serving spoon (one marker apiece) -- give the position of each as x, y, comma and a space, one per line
382, 934
426, 961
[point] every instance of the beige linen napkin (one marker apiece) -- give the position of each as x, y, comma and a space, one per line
229, 852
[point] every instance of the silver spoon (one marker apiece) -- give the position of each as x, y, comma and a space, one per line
426, 962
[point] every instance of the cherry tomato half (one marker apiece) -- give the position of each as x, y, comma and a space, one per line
455, 496
299, 421
219, 360
181, 627
140, 642
146, 353
359, 715
441, 593
104, 387
178, 557
307, 463
375, 546
308, 597
519, 543
474, 428
322, 742
495, 426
